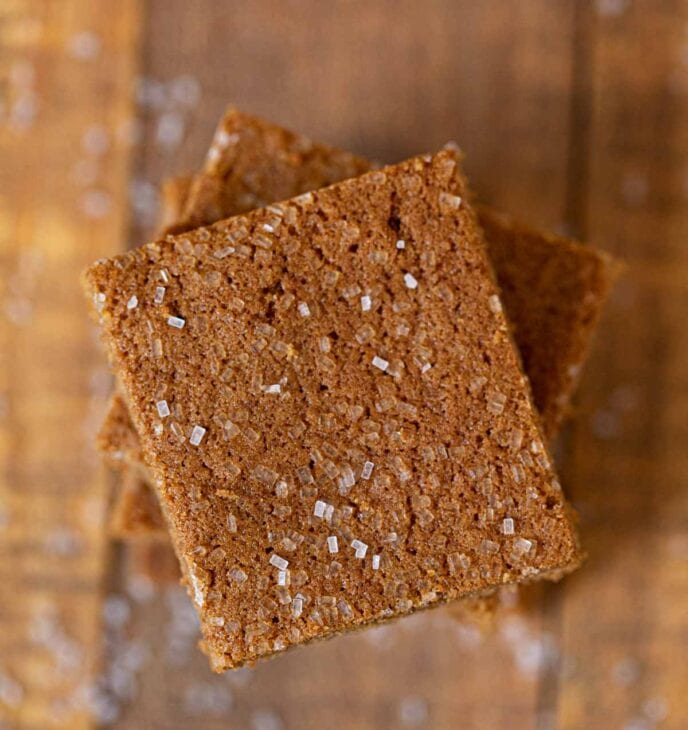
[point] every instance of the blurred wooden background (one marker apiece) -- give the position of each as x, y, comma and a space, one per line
573, 114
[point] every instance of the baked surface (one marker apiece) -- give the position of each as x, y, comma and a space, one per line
298, 348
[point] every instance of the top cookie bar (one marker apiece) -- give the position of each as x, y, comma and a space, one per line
337, 423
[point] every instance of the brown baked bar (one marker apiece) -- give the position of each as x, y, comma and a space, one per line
337, 424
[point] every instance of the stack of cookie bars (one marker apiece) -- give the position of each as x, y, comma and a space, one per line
337, 384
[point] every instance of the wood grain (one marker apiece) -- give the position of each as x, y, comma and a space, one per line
571, 113
66, 71
625, 617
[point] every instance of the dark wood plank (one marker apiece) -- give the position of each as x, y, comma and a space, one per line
625, 621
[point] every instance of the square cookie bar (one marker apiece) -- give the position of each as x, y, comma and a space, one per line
338, 427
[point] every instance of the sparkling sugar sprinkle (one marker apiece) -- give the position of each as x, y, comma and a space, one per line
495, 304
197, 434
360, 547
319, 508
163, 408
376, 562
133, 302
332, 544
367, 470
304, 309
177, 322
278, 562
410, 281
451, 201
401, 244
508, 526
380, 363
366, 303
522, 546
224, 252
297, 606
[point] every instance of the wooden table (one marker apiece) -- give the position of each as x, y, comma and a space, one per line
572, 114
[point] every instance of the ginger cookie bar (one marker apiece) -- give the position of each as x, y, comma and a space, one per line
338, 427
